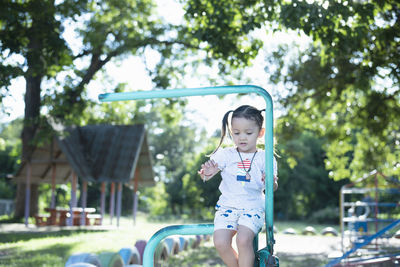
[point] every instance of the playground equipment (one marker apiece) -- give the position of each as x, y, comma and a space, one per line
264, 257
369, 215
329, 231
173, 245
366, 209
131, 256
83, 258
309, 230
111, 259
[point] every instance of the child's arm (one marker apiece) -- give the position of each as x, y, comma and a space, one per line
208, 170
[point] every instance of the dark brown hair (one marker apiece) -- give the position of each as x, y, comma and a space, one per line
245, 111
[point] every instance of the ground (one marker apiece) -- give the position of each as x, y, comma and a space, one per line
292, 250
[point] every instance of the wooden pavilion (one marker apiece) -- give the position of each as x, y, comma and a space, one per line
107, 154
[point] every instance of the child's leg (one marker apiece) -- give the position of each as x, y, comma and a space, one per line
244, 242
223, 244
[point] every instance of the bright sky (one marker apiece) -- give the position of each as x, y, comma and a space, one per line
206, 111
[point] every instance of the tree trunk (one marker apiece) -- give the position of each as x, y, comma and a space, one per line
20, 200
33, 80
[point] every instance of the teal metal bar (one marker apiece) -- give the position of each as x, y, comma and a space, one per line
148, 260
187, 229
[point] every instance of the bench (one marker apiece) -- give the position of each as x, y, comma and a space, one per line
42, 219
94, 218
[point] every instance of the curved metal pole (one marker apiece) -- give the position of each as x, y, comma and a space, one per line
218, 90
187, 229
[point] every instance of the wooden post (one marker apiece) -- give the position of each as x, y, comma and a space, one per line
103, 201
83, 200
53, 187
134, 206
135, 197
27, 192
112, 201
119, 200
72, 205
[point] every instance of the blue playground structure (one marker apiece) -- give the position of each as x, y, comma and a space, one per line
265, 256
369, 217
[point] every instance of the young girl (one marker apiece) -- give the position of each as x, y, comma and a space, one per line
241, 206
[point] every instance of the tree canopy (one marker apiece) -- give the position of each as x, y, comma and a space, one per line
345, 86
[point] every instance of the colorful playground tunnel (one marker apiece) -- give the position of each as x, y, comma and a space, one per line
133, 256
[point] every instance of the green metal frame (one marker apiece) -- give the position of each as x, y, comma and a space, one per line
148, 256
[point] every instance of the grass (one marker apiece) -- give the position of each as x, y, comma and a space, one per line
207, 256
52, 247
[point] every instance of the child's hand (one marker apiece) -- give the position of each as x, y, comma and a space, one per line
275, 181
208, 170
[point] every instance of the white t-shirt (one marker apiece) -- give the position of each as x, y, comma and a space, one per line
237, 191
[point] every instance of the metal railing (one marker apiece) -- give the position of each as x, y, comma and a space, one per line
148, 257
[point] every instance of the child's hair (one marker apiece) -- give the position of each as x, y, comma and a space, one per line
245, 111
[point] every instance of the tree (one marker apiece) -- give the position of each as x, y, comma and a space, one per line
33, 46
361, 126
346, 85
306, 187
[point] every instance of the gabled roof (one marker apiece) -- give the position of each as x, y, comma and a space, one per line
96, 153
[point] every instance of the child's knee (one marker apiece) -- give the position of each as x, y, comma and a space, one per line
244, 241
221, 243
244, 237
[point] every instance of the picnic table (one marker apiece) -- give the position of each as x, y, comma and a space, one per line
59, 215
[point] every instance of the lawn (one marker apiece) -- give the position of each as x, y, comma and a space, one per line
54, 246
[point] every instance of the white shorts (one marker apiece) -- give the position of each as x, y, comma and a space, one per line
230, 218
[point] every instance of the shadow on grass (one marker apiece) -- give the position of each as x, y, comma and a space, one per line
199, 257
301, 260
54, 255
8, 219
207, 256
25, 236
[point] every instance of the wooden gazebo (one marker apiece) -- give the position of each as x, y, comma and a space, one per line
113, 154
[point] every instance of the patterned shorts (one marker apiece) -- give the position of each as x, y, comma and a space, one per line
230, 218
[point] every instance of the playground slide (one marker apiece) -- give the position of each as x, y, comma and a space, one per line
360, 245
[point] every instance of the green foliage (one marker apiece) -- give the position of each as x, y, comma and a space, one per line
328, 215
345, 87
155, 200
304, 187
10, 149
361, 134
224, 27
32, 29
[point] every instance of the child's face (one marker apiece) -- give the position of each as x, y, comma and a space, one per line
245, 133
